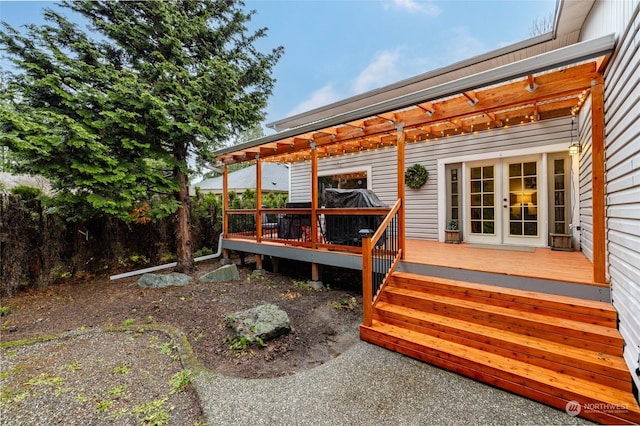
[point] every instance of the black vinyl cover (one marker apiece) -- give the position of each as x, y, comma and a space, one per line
351, 198
346, 229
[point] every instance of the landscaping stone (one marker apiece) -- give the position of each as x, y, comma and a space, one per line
263, 322
316, 285
163, 280
223, 274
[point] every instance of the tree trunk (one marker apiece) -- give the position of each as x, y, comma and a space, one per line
185, 262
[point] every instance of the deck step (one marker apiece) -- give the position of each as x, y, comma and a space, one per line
588, 311
589, 365
575, 333
552, 349
603, 404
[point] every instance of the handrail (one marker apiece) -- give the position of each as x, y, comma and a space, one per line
378, 234
293, 226
348, 211
375, 277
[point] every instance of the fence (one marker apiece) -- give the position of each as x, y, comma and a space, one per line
39, 247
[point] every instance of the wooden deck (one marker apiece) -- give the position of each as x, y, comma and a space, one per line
542, 263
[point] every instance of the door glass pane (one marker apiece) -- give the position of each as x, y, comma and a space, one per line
488, 213
559, 219
482, 200
530, 169
488, 227
523, 199
455, 190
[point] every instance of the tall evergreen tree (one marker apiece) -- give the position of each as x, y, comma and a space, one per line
111, 113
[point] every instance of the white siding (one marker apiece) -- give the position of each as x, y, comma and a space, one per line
422, 204
608, 16
622, 124
584, 181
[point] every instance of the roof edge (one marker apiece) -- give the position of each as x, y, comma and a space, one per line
280, 125
567, 55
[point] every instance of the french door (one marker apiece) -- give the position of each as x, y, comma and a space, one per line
503, 202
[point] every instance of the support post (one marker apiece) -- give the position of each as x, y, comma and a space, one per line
314, 196
598, 180
258, 200
401, 185
367, 292
225, 201
275, 264
316, 279
225, 206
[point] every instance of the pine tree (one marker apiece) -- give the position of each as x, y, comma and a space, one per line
111, 113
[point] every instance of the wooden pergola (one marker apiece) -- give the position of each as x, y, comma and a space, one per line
550, 93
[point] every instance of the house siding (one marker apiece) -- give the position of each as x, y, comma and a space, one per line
622, 150
585, 181
422, 205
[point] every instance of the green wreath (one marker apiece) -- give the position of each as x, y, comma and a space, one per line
416, 176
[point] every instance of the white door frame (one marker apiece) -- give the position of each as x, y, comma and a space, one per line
441, 182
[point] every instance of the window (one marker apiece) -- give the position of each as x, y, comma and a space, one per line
341, 180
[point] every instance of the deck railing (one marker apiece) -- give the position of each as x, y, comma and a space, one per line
341, 229
380, 255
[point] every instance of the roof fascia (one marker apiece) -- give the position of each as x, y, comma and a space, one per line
563, 56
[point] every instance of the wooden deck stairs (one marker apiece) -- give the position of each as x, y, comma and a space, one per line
552, 349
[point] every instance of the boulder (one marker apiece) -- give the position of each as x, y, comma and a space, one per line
163, 280
263, 322
222, 274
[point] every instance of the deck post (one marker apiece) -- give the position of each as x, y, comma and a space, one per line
225, 207
258, 200
401, 166
367, 292
314, 196
316, 280
597, 179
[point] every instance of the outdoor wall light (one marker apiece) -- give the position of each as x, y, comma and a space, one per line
575, 148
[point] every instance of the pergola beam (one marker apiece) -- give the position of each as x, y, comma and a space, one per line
556, 94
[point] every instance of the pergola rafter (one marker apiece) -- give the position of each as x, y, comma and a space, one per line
530, 98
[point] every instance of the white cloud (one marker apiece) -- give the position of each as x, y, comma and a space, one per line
463, 45
382, 71
321, 97
414, 6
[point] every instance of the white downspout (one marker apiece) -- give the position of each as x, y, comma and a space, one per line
168, 265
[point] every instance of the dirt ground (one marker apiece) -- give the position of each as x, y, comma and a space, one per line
324, 323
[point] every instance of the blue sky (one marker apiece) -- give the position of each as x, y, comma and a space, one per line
339, 48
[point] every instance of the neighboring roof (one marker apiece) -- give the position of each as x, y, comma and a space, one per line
9, 180
275, 178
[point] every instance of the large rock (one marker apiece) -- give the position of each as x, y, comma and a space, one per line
164, 280
262, 322
222, 274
